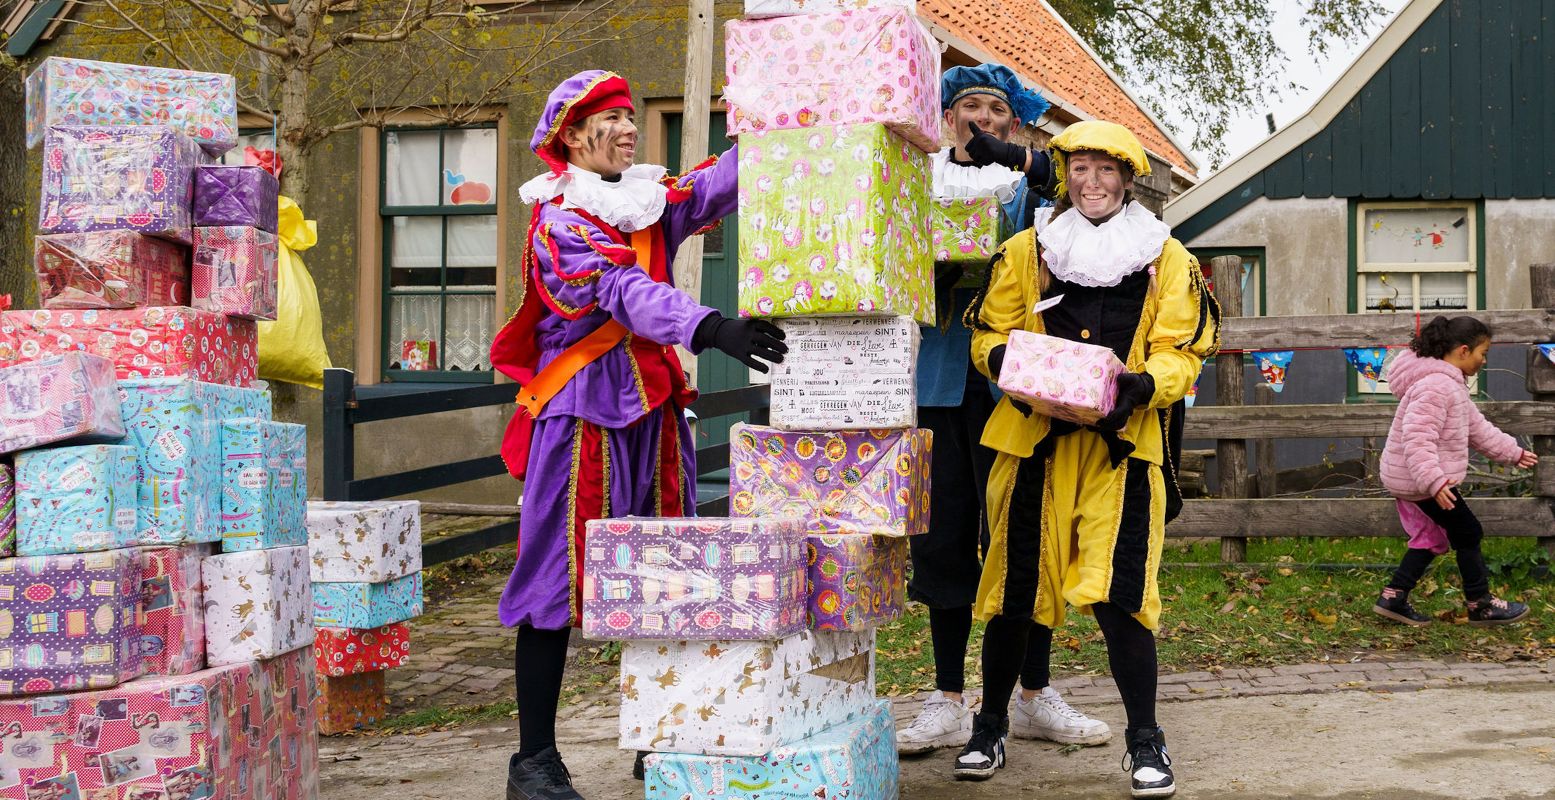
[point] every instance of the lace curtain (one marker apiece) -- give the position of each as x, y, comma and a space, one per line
414, 318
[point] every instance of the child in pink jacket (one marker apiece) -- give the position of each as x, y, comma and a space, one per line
1427, 456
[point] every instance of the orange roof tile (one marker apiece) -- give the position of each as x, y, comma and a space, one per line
1029, 38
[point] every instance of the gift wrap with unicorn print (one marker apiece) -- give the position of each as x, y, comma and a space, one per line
834, 221
733, 698
705, 578
856, 580
258, 604
855, 760
364, 542
75, 499
244, 732
367, 605
874, 482
1063, 379
965, 230
68, 622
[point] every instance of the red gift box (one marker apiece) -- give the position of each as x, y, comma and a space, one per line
171, 341
110, 269
352, 651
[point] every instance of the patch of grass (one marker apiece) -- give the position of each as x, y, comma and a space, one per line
435, 719
1296, 601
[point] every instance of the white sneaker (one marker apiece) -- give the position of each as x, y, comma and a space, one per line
1047, 716
942, 723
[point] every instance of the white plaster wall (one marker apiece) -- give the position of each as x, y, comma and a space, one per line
1517, 233
1305, 243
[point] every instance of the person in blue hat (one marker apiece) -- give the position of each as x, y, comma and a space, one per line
984, 102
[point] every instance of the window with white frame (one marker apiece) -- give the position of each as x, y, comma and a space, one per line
1416, 258
439, 206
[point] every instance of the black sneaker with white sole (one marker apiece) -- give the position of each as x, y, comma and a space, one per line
984, 752
541, 776
1394, 604
1148, 765
1493, 610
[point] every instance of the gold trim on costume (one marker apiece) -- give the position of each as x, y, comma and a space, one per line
637, 375
561, 115
572, 520
604, 471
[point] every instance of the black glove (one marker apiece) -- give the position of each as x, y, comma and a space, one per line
1134, 390
749, 341
995, 366
985, 148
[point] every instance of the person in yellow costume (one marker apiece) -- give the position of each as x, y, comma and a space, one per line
1078, 514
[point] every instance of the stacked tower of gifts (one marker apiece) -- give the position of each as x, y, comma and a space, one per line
366, 568
737, 692
133, 662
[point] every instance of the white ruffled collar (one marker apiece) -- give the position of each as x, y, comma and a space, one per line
631, 204
953, 181
1078, 252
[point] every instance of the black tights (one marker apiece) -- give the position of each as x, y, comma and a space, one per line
1130, 652
951, 628
538, 664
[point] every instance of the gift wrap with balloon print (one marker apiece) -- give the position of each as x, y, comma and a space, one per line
821, 71
857, 580
244, 732
874, 482
152, 342
855, 760
742, 698
75, 499
258, 604
172, 618
834, 221
58, 398
965, 230
68, 622
704, 578
1063, 379
367, 605
349, 651
74, 91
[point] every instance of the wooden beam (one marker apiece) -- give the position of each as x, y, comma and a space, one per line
1337, 421
693, 142
1267, 471
1346, 517
1230, 454
1523, 326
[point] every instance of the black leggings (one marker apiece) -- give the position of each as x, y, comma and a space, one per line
538, 664
1130, 653
1464, 533
951, 628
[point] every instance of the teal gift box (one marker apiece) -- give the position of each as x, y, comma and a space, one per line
855, 760
367, 605
175, 426
264, 484
75, 499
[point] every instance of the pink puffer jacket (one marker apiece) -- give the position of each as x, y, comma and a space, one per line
1436, 424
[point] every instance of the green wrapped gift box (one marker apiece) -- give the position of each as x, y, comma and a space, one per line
965, 230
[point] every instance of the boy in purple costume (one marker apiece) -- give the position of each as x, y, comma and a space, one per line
601, 428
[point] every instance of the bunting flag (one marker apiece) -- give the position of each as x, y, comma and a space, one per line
1193, 391
1369, 363
1273, 364
1547, 349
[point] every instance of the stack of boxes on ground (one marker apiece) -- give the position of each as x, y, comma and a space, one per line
366, 570
748, 663
135, 660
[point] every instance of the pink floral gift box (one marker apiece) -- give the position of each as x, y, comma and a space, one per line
1065, 380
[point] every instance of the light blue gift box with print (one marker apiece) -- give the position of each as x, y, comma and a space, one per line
175, 426
854, 760
75, 499
367, 605
264, 484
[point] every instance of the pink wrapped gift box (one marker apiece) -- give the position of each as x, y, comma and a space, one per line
170, 341
758, 9
57, 398
1065, 380
834, 69
110, 269
235, 271
350, 651
172, 618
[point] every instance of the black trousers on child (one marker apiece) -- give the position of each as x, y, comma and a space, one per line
1464, 533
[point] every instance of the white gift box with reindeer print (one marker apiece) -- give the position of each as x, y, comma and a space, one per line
258, 604
364, 542
742, 698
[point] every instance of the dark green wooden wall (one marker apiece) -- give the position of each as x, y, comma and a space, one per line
1463, 110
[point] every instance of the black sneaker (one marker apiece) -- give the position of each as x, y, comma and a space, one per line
542, 776
1494, 611
1394, 605
639, 770
984, 752
1148, 765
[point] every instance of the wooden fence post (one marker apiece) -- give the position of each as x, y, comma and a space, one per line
1541, 384
1230, 454
1263, 449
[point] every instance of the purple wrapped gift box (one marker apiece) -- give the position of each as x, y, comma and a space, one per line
138, 178
704, 578
68, 622
245, 196
857, 581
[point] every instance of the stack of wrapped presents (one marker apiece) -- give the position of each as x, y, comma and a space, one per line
366, 571
747, 668
137, 661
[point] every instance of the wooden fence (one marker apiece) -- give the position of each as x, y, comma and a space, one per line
1233, 517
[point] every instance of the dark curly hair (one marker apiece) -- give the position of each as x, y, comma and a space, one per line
1442, 336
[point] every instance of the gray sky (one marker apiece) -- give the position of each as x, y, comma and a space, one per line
1314, 76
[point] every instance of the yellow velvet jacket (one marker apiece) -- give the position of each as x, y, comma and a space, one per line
1177, 330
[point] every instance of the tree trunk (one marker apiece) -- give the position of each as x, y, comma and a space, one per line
295, 129
15, 244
